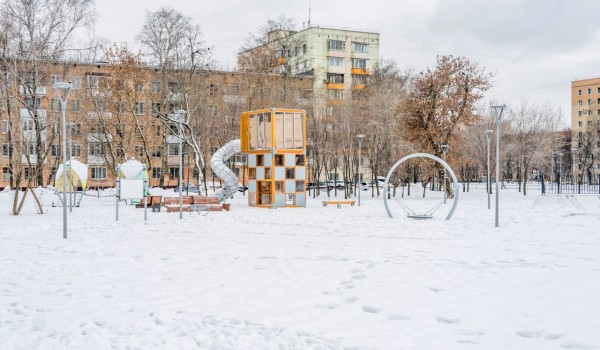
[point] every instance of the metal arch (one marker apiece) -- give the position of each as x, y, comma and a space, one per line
422, 155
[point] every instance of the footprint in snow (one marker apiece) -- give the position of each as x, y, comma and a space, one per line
530, 334
448, 320
371, 309
398, 317
576, 345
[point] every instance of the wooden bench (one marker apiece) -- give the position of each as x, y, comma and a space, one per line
338, 203
152, 202
172, 203
203, 203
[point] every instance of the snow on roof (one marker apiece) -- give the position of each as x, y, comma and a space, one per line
78, 167
131, 169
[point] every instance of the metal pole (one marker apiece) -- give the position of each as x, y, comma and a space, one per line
498, 118
180, 114
488, 179
360, 139
63, 106
444, 150
71, 193
560, 172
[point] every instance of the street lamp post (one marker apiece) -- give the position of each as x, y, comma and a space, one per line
444, 151
63, 106
360, 138
180, 115
560, 154
488, 181
498, 109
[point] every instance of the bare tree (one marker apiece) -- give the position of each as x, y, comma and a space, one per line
35, 31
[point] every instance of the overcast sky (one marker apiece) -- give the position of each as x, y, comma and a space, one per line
533, 48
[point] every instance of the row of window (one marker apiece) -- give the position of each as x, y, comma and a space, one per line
589, 92
94, 149
589, 102
339, 45
580, 124
333, 61
587, 112
338, 78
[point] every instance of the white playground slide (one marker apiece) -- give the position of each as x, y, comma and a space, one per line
217, 164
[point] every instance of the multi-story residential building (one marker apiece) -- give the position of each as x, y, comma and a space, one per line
585, 124
340, 60
113, 113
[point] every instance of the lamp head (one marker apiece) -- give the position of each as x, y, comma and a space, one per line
498, 109
360, 136
488, 131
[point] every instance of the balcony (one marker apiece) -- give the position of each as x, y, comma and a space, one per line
94, 115
360, 71
335, 86
358, 86
26, 113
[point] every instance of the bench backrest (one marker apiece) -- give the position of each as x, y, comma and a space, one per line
185, 200
205, 200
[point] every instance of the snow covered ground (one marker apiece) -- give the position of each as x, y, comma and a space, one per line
314, 278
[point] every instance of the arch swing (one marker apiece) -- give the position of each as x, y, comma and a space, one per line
429, 213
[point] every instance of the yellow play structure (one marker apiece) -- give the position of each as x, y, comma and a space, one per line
275, 142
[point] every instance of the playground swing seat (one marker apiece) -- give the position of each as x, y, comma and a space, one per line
412, 215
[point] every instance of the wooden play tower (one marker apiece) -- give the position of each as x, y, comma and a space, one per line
275, 142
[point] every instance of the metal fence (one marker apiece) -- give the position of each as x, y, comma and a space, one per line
569, 188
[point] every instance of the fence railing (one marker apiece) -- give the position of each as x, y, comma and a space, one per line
570, 188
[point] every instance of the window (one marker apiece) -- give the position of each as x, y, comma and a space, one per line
252, 173
299, 186
93, 81
95, 149
579, 92
156, 173
139, 87
33, 103
589, 91
76, 81
359, 79
289, 173
139, 151
599, 90
589, 123
580, 103
139, 108
29, 149
155, 87
359, 63
157, 153
26, 173
361, 47
174, 172
579, 124
589, 101
335, 45
98, 173
54, 105
299, 159
336, 94
76, 150
305, 50
5, 127
54, 79
76, 129
260, 160
579, 113
173, 149
75, 106
260, 131
334, 61
5, 174
278, 186
335, 78
28, 125
7, 150
279, 159
54, 150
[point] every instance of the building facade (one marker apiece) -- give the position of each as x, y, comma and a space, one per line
585, 125
117, 111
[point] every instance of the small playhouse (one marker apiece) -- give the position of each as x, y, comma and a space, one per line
275, 142
76, 175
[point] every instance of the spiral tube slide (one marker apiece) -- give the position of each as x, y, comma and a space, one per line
217, 164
